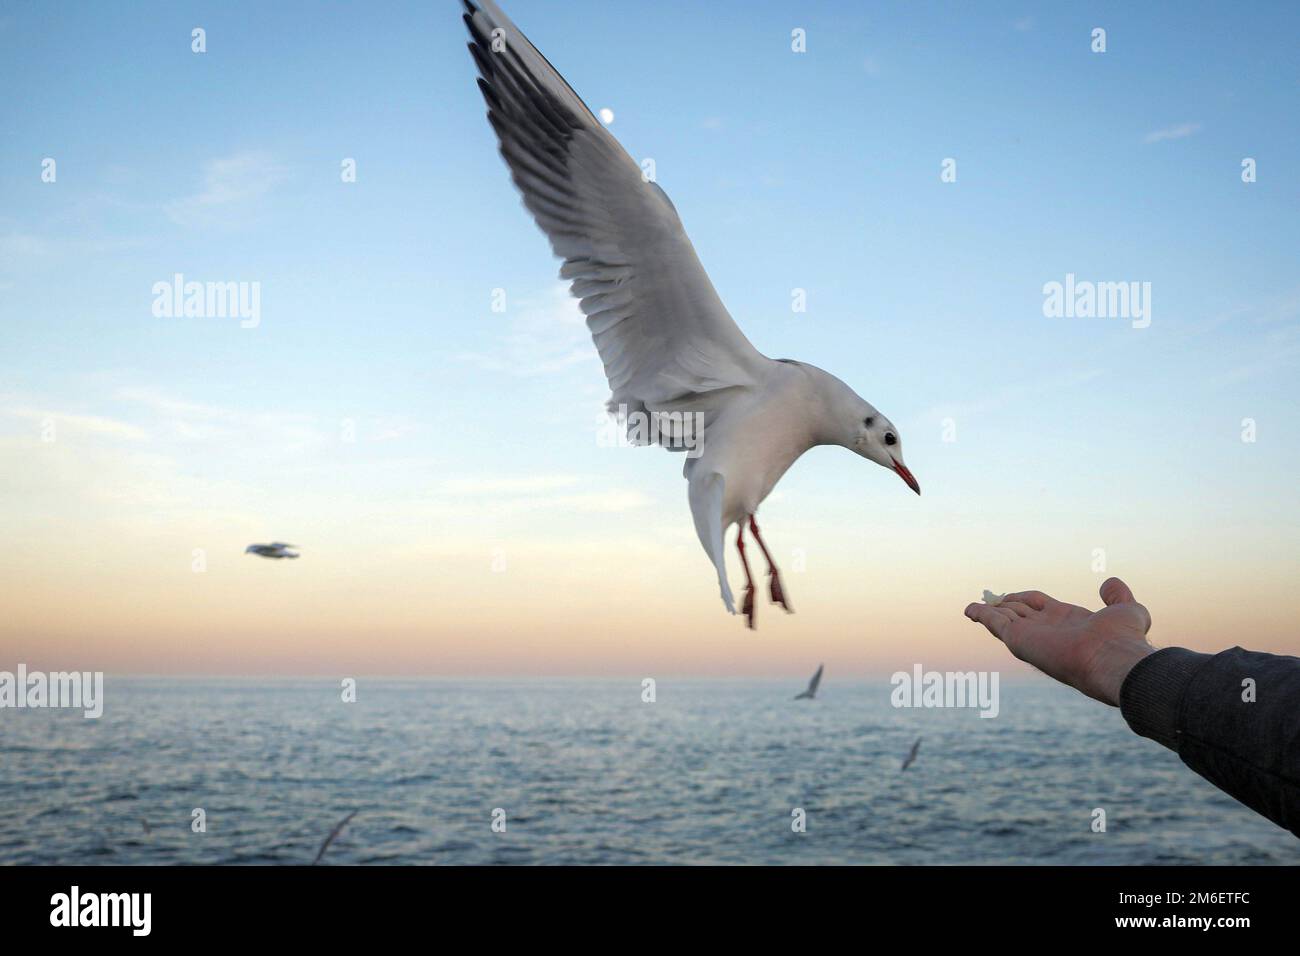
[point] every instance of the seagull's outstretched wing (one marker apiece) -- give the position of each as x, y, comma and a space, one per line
333, 835
663, 334
813, 684
911, 756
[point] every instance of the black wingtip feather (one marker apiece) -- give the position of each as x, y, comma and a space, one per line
489, 94
479, 36
482, 59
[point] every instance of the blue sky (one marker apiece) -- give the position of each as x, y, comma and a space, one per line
817, 171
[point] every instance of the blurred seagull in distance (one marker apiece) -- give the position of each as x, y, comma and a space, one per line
911, 757
333, 835
811, 692
681, 373
276, 549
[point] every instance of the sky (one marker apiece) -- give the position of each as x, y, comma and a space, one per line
445, 467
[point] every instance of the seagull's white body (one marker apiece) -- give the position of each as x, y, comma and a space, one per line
752, 441
668, 344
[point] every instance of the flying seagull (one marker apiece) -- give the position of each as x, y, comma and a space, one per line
811, 692
911, 757
276, 549
333, 835
673, 355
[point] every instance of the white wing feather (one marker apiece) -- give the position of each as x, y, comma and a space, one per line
663, 334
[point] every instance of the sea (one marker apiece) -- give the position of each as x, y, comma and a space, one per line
448, 772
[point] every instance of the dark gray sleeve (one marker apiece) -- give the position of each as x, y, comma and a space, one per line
1200, 706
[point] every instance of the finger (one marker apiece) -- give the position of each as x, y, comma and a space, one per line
1115, 591
1021, 610
995, 620
1035, 599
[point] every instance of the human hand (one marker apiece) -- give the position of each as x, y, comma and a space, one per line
1092, 651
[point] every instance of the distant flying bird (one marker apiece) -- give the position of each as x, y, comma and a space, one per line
911, 756
333, 835
681, 373
811, 692
276, 549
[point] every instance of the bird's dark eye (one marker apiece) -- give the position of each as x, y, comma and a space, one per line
891, 438
868, 421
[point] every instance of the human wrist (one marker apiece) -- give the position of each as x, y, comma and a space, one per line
1111, 666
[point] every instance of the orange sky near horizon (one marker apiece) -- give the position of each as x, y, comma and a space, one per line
611, 599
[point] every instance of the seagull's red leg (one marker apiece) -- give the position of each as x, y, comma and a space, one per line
747, 607
774, 576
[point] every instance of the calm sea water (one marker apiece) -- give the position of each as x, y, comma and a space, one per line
588, 773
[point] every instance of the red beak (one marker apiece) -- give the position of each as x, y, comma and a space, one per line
906, 476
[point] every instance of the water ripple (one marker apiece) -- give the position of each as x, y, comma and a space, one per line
585, 772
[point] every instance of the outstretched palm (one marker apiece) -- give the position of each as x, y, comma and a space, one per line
1090, 650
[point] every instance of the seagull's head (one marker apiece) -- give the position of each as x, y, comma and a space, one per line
876, 438
252, 548
864, 431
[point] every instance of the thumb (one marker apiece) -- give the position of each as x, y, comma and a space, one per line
1115, 591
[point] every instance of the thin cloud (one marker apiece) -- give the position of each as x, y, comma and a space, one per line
1181, 131
532, 484
1274, 343
194, 421
1010, 395
231, 186
1273, 360
21, 245
538, 493
1283, 309
89, 424
391, 429
21, 249
543, 336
